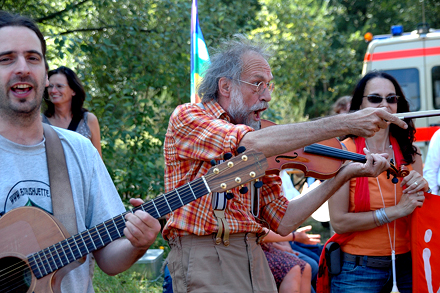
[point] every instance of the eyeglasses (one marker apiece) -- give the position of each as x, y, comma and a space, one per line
376, 99
261, 86
59, 86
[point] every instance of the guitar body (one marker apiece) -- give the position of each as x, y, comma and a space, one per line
24, 231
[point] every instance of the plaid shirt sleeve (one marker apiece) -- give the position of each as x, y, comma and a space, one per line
194, 137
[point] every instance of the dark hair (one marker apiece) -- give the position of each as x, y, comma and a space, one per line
405, 137
76, 85
8, 19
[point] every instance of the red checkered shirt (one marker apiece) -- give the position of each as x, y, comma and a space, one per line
194, 137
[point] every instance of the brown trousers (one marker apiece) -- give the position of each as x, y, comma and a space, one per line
197, 264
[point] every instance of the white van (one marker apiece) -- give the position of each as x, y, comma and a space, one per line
414, 60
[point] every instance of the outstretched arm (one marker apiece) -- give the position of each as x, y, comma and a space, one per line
301, 208
279, 139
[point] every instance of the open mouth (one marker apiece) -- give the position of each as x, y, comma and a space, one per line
258, 113
21, 88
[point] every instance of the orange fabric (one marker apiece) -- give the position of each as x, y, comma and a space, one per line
361, 244
362, 199
424, 223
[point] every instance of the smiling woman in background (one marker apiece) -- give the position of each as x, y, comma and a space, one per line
64, 106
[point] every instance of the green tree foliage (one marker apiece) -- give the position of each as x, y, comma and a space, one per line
134, 59
308, 68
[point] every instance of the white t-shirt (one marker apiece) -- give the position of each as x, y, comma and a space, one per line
431, 170
24, 181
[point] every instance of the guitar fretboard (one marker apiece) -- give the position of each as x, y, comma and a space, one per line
65, 252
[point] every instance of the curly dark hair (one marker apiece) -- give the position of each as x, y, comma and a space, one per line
405, 137
77, 100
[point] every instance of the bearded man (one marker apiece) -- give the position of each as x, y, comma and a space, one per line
235, 91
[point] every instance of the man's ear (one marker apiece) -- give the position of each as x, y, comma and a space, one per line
224, 87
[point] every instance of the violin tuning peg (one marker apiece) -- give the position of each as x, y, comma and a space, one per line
227, 156
395, 180
258, 184
388, 174
213, 162
241, 149
229, 195
243, 189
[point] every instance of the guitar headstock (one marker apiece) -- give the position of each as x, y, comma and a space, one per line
239, 170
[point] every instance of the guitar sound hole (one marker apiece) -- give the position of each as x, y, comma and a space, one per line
15, 275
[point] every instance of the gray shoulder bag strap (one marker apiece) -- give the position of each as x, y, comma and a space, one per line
60, 189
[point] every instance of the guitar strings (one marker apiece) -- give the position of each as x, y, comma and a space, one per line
48, 261
185, 196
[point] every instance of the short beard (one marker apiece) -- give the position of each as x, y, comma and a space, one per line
21, 113
240, 113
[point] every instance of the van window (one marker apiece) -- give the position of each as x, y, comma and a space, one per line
435, 73
408, 79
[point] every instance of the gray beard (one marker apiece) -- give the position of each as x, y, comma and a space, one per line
240, 113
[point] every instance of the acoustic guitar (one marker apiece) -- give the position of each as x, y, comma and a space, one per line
36, 250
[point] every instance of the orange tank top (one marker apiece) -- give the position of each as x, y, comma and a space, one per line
376, 241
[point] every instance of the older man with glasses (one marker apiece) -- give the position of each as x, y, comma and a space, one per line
215, 239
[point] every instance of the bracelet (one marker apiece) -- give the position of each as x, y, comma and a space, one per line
374, 218
429, 190
382, 217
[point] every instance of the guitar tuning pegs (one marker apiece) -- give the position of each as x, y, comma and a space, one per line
229, 195
244, 189
213, 162
227, 156
258, 184
241, 149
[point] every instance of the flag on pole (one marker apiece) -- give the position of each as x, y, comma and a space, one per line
199, 53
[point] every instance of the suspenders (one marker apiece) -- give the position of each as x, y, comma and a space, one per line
219, 204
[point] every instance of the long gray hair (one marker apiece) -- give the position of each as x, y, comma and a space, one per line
227, 62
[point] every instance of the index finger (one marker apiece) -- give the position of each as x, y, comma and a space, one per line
393, 118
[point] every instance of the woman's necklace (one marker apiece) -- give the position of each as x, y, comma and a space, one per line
392, 242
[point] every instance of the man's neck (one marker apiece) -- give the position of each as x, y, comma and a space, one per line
22, 130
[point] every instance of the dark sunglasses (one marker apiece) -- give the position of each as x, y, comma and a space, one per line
376, 99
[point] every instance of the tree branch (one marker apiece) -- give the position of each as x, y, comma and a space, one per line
97, 29
53, 15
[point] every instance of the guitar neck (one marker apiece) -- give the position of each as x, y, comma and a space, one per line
67, 251
239, 170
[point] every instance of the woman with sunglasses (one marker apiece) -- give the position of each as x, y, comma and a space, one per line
370, 215
64, 106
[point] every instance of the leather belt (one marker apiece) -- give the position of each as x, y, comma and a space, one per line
372, 261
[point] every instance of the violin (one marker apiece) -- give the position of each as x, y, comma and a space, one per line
321, 160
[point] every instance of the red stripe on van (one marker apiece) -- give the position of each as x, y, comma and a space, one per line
425, 133
402, 54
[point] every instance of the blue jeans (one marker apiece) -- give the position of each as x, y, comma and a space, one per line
361, 279
167, 282
311, 250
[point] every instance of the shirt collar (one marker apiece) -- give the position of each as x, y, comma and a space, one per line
215, 109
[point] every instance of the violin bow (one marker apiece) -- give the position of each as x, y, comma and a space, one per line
417, 114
